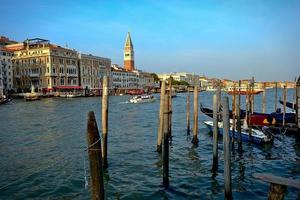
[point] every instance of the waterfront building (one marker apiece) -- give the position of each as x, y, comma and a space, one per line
6, 41
191, 78
123, 79
92, 69
6, 70
48, 67
128, 54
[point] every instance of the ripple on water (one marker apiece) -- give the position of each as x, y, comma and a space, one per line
42, 154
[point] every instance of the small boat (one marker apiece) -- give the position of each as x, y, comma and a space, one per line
4, 100
288, 104
142, 99
33, 96
243, 91
256, 136
135, 92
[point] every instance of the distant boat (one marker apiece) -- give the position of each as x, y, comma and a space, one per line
256, 136
142, 99
244, 92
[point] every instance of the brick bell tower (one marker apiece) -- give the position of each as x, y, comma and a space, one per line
128, 54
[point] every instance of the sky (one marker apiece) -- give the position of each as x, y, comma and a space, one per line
224, 39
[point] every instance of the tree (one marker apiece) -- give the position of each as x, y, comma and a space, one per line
156, 79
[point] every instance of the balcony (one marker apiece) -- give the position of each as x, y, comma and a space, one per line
33, 75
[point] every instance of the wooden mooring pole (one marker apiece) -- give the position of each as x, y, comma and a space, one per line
215, 134
161, 117
275, 99
195, 128
233, 115
264, 99
166, 142
188, 110
227, 150
298, 103
170, 108
239, 119
105, 120
284, 105
252, 94
278, 185
95, 158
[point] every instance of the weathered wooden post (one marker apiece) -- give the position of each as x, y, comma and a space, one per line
219, 95
227, 150
233, 115
170, 108
195, 128
298, 103
278, 185
284, 105
215, 134
252, 94
249, 111
166, 142
239, 119
188, 108
275, 99
264, 99
95, 158
105, 120
161, 118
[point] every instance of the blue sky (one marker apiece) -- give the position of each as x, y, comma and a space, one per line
225, 39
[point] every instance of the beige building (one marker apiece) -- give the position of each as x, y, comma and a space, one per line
92, 69
191, 79
45, 66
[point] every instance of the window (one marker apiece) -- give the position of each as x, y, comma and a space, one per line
62, 81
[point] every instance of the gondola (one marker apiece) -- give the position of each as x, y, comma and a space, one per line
289, 104
261, 119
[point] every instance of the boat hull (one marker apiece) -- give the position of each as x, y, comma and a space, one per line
245, 136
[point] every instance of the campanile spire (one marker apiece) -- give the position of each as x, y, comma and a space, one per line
128, 54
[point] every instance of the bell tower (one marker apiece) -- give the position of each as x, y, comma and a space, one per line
128, 54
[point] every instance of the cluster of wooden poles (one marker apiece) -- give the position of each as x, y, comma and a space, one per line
98, 154
164, 132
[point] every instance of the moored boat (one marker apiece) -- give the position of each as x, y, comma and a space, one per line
256, 136
4, 100
288, 104
261, 119
33, 96
142, 99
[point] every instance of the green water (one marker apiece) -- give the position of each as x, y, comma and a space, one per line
42, 156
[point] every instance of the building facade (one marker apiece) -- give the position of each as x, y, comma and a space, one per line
92, 69
45, 66
6, 70
123, 79
128, 54
191, 79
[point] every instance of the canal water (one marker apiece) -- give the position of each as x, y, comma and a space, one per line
42, 152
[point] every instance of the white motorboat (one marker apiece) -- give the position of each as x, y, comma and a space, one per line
142, 99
